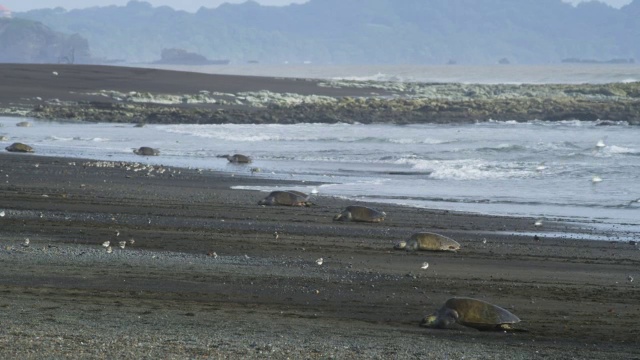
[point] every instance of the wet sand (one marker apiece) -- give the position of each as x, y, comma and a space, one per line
164, 297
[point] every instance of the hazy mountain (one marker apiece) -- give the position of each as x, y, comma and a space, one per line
26, 41
361, 31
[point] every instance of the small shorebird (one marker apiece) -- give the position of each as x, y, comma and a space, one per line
26, 242
276, 235
600, 144
541, 167
630, 278
425, 265
106, 243
2, 214
109, 250
538, 222
319, 261
596, 179
484, 241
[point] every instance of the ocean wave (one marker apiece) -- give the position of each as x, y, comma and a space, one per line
468, 169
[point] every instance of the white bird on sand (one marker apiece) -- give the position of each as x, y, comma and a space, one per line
2, 214
600, 144
484, 241
26, 242
538, 222
596, 179
425, 265
276, 235
55, 73
109, 250
319, 261
122, 244
106, 243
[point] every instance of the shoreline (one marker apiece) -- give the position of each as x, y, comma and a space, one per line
143, 95
164, 296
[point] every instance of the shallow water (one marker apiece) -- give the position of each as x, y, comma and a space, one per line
539, 169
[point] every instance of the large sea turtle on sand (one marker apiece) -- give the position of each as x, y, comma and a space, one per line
427, 241
361, 214
473, 313
146, 151
19, 147
237, 158
286, 198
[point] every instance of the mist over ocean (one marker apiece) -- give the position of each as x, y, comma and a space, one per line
539, 169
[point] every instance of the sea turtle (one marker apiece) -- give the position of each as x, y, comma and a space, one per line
473, 313
237, 158
19, 147
428, 242
286, 198
23, 124
360, 213
147, 151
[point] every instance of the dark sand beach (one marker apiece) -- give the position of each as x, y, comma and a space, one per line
262, 297
167, 295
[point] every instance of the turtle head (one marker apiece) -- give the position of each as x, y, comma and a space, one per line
343, 216
440, 319
269, 200
400, 245
411, 245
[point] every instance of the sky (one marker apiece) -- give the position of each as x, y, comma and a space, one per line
188, 5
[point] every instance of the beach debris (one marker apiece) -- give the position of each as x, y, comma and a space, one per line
109, 250
19, 147
122, 244
596, 179
26, 242
538, 222
425, 266
360, 214
286, 198
472, 313
236, 158
630, 278
276, 235
427, 241
146, 151
212, 254
319, 261
106, 243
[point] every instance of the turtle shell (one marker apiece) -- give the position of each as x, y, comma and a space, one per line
361, 213
432, 242
147, 151
285, 198
19, 147
479, 314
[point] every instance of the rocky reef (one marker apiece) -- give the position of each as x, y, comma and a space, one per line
403, 103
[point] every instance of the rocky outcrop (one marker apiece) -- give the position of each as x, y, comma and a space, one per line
411, 104
25, 41
183, 57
